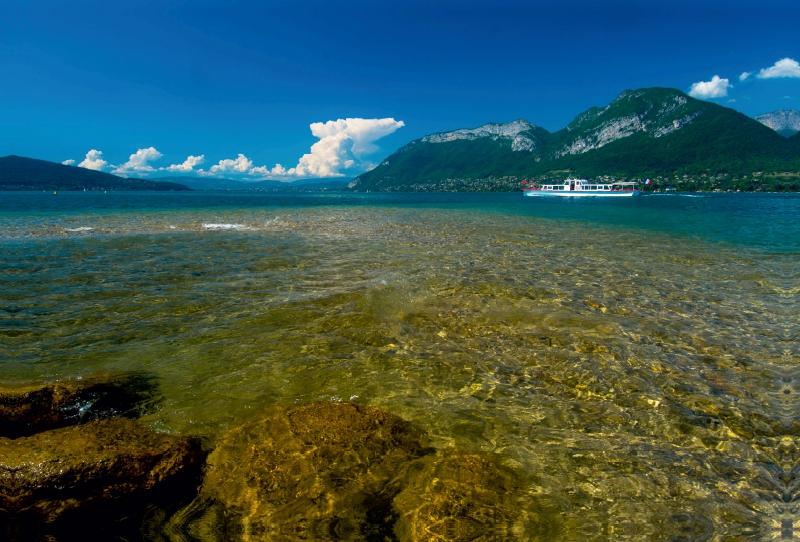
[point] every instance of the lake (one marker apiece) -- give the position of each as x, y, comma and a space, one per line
634, 362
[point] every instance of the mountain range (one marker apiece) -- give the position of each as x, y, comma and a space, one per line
651, 132
657, 133
784, 121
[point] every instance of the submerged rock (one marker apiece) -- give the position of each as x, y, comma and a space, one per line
26, 409
316, 472
455, 496
47, 475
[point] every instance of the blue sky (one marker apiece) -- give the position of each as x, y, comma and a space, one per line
248, 82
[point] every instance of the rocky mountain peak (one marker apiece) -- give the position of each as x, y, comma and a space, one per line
656, 112
514, 131
781, 120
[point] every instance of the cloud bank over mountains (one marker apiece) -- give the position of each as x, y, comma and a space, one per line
343, 145
138, 162
718, 86
242, 164
188, 165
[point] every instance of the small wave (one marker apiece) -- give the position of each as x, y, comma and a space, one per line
223, 226
676, 195
82, 228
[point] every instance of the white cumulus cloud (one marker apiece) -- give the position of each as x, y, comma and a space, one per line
745, 75
68, 162
242, 164
363, 132
264, 171
785, 67
187, 166
327, 157
342, 145
138, 162
716, 88
93, 161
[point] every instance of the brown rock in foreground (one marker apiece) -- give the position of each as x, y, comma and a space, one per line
26, 409
459, 497
316, 472
51, 473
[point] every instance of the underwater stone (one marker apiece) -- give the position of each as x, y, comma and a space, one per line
455, 496
316, 472
26, 409
54, 472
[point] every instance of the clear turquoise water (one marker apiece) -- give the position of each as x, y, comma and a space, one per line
635, 361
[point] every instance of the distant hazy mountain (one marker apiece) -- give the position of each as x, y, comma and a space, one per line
204, 183
645, 132
19, 173
323, 181
210, 183
784, 121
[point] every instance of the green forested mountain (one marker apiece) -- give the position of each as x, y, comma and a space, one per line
19, 173
658, 133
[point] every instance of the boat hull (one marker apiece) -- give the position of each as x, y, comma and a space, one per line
581, 193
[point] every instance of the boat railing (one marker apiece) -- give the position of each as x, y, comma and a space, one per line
621, 186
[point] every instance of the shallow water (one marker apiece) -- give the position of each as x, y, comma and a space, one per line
635, 362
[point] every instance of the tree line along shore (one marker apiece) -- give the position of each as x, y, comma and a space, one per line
754, 182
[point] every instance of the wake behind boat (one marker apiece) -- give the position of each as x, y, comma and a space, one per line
582, 187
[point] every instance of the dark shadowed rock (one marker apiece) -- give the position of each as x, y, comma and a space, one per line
27, 408
47, 475
456, 497
316, 472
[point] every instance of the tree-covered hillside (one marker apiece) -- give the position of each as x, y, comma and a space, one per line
719, 140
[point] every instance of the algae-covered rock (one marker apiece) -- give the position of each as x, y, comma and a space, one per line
51, 473
455, 496
316, 472
27, 408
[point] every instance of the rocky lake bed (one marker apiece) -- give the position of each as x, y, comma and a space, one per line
326, 470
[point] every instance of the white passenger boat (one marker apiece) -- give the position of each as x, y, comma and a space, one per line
582, 187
